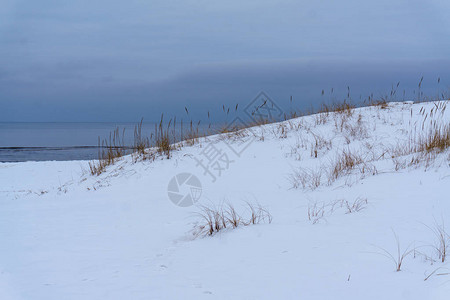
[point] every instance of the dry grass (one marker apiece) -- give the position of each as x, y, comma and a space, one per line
319, 211
321, 118
358, 130
381, 103
344, 108
109, 151
306, 178
215, 219
235, 134
282, 131
320, 144
437, 139
351, 128
162, 138
315, 212
344, 164
165, 137
231, 216
355, 206
424, 142
399, 257
258, 214
442, 241
435, 272
141, 143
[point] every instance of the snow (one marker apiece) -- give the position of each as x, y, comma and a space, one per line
68, 235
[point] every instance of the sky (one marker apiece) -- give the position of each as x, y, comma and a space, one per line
107, 60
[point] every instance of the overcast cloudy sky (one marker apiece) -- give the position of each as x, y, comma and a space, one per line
107, 60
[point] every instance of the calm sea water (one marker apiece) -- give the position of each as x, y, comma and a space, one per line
59, 141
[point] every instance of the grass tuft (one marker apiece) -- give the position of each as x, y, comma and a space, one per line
215, 219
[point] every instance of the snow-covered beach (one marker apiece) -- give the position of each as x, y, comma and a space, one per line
66, 234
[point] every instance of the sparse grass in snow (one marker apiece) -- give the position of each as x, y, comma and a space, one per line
399, 256
441, 244
418, 144
306, 178
315, 212
218, 218
319, 211
344, 164
356, 206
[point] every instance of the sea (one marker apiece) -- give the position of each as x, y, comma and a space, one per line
21, 142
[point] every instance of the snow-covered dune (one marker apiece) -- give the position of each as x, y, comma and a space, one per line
340, 188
